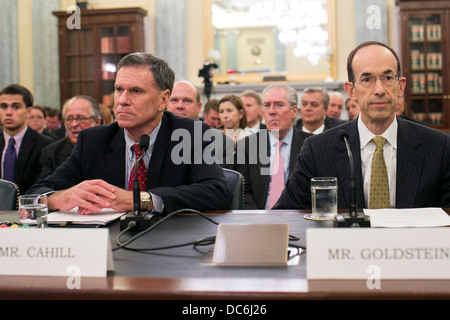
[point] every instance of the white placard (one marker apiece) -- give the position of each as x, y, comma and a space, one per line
361, 253
55, 252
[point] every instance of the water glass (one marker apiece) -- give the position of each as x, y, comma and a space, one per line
34, 207
324, 197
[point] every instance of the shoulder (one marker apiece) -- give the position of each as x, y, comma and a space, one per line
177, 122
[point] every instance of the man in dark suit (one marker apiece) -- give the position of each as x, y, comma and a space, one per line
416, 158
79, 113
313, 111
98, 172
279, 111
15, 100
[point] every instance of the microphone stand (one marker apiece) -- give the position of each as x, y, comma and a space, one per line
353, 218
136, 220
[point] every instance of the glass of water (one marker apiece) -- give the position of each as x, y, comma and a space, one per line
34, 207
324, 198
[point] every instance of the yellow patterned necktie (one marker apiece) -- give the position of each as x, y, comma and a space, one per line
379, 183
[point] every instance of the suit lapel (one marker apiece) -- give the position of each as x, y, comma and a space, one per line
115, 160
26, 147
162, 145
410, 162
343, 164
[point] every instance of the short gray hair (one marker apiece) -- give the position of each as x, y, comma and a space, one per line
291, 93
323, 91
95, 108
162, 73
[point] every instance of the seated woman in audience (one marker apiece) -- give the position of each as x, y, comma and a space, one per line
233, 119
352, 109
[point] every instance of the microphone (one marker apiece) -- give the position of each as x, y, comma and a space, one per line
143, 145
353, 218
136, 220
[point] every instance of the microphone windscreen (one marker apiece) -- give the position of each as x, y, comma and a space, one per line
342, 134
144, 142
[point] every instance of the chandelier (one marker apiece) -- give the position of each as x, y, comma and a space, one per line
299, 22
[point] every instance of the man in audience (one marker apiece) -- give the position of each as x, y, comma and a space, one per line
411, 161
253, 109
211, 113
99, 173
335, 106
313, 111
79, 113
20, 144
258, 154
185, 102
54, 122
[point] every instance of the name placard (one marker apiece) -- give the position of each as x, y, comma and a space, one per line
348, 253
55, 252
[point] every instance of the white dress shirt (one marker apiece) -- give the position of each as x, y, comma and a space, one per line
390, 158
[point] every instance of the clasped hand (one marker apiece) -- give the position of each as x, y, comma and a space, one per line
91, 196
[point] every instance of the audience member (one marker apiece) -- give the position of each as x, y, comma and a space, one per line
211, 113
253, 109
79, 112
20, 144
314, 104
335, 105
37, 119
99, 170
185, 100
413, 165
54, 122
233, 119
264, 180
352, 109
106, 113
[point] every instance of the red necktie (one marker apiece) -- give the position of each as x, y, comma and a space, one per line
277, 180
142, 171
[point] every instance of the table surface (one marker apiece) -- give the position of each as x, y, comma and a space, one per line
178, 273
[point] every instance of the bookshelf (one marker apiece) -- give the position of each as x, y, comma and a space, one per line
88, 56
425, 55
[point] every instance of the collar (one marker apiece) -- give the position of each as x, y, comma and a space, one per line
365, 135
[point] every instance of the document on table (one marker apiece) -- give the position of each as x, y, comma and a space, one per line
407, 218
103, 217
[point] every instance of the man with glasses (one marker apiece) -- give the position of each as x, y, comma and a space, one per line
398, 163
280, 143
20, 144
79, 112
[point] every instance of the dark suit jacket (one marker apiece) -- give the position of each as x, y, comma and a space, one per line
27, 165
100, 154
328, 122
53, 155
257, 184
423, 167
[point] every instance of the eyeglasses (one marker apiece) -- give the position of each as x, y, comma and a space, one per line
387, 80
80, 120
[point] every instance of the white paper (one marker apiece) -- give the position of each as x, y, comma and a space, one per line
103, 217
408, 218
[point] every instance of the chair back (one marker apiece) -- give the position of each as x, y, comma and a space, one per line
236, 183
9, 195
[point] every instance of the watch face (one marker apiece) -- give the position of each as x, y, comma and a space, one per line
145, 195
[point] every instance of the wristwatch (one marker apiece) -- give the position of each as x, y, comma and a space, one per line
146, 199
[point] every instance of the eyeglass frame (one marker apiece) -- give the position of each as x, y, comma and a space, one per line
79, 120
374, 80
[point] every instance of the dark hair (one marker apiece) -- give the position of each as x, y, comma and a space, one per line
42, 109
212, 104
162, 73
237, 102
351, 75
19, 90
